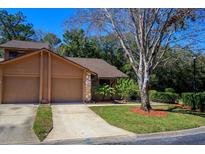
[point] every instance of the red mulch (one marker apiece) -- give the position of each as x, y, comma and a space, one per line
183, 106
150, 113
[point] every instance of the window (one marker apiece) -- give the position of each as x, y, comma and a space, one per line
13, 54
104, 81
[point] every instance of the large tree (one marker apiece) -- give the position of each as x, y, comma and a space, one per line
14, 26
52, 40
77, 44
144, 34
177, 72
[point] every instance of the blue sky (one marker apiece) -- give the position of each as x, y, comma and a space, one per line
48, 20
52, 20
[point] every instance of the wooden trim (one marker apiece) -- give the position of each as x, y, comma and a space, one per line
49, 77
21, 75
17, 48
41, 78
83, 89
1, 85
66, 76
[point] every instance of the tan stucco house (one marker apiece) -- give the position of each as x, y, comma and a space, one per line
30, 73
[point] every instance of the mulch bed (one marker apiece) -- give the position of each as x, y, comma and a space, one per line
183, 106
150, 113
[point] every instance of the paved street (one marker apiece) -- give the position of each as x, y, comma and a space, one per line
197, 139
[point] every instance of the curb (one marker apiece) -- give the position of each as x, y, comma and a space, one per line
127, 138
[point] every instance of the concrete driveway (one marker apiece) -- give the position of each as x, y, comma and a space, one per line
77, 122
16, 124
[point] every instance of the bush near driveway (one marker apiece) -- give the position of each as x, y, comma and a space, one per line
43, 122
163, 97
123, 117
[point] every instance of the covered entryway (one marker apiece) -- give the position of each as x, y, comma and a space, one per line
66, 90
21, 89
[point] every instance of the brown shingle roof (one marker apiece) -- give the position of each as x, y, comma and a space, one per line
99, 66
24, 45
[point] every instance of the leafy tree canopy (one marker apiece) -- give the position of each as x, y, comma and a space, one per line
14, 26
52, 40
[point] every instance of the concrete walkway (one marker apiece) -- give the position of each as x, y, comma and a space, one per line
77, 122
16, 124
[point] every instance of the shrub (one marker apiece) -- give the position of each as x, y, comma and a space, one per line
126, 88
135, 95
194, 100
105, 91
189, 99
170, 90
163, 97
152, 94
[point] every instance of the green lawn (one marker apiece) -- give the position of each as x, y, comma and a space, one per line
43, 122
122, 117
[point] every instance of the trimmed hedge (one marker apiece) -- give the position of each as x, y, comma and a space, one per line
163, 97
194, 100
170, 90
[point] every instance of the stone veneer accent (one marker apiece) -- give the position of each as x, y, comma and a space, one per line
88, 87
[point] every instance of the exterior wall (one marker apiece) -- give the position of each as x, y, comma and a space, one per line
62, 68
19, 81
27, 66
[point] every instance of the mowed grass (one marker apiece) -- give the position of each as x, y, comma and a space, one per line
122, 117
43, 122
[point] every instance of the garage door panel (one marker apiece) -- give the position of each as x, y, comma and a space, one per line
66, 90
21, 90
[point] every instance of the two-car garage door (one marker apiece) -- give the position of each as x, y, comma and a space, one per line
26, 90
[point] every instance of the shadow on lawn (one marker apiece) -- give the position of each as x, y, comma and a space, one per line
176, 109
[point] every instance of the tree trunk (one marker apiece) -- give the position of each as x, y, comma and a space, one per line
144, 87
145, 103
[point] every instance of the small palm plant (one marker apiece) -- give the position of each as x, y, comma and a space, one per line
105, 91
